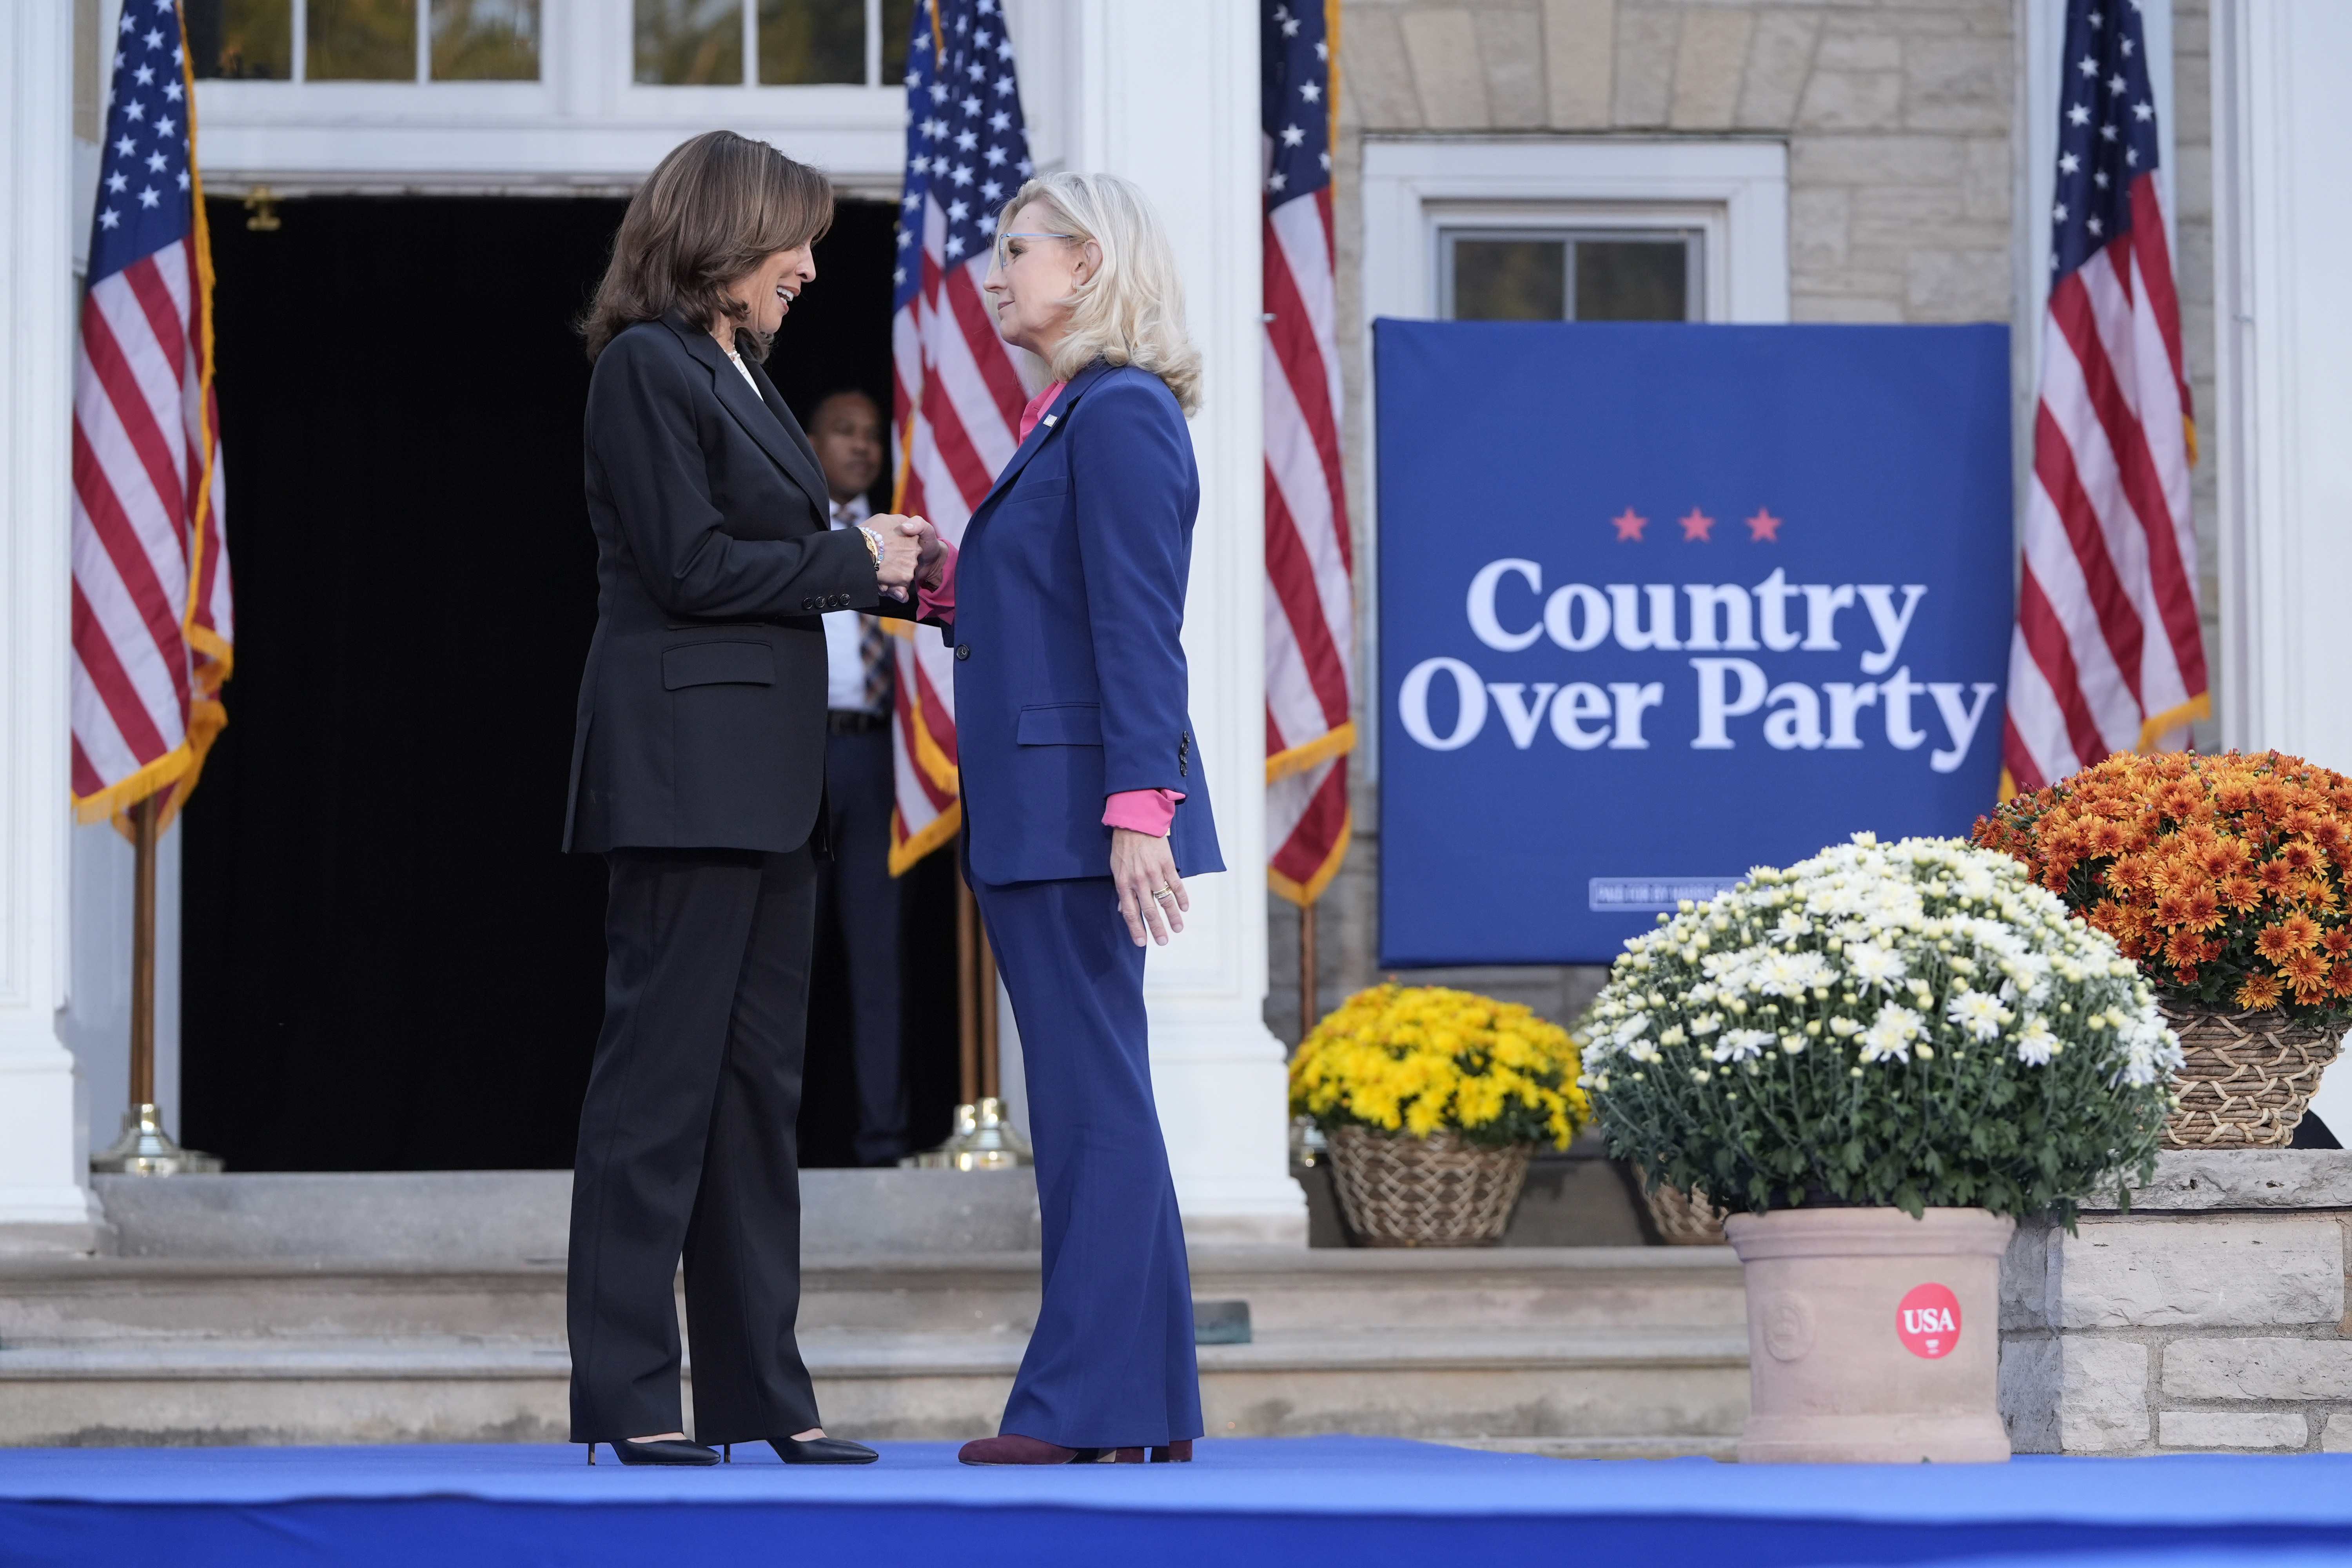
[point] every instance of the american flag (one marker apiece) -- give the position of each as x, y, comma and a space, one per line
151, 623
1309, 590
2107, 654
956, 394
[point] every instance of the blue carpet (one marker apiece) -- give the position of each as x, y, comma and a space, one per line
1353, 1502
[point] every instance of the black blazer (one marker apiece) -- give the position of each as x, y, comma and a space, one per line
702, 720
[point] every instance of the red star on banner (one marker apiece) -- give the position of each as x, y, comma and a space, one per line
1629, 526
1764, 526
1697, 525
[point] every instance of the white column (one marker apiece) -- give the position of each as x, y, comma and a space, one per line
43, 1201
2283, 323
1167, 95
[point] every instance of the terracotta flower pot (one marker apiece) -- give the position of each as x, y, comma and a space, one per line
1873, 1338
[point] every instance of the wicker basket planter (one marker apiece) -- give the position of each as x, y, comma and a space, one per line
1438, 1191
1681, 1219
2248, 1078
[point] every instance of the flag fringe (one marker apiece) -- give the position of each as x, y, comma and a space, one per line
1306, 892
2157, 725
914, 846
1322, 749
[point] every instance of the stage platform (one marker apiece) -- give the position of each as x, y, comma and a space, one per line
1352, 1501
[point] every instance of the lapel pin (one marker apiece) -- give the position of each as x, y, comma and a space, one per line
1051, 419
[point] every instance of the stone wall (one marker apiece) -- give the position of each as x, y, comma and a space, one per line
2213, 1317
1907, 186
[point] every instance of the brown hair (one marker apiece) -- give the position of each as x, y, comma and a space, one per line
710, 213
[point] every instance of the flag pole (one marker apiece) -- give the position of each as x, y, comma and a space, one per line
967, 1004
146, 1149
1307, 999
982, 1140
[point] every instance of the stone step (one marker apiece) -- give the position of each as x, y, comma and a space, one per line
518, 1217
1668, 1387
46, 1299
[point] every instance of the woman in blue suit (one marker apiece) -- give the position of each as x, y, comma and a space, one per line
1085, 804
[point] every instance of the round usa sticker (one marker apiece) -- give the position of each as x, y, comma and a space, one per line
1928, 1321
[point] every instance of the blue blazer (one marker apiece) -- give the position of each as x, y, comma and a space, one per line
1070, 682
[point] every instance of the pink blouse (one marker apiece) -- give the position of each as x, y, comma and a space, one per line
1145, 811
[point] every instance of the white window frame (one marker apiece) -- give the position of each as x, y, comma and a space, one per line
1481, 223
1734, 191
585, 125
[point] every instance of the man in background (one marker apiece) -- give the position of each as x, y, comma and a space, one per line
860, 789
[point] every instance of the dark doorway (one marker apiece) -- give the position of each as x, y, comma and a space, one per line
387, 964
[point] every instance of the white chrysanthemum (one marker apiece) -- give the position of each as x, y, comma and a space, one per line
1875, 968
2035, 1044
1792, 973
1742, 1045
1976, 1013
1890, 1033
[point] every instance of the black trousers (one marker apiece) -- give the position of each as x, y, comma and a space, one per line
860, 790
688, 1147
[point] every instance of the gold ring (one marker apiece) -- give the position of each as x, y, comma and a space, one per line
1161, 892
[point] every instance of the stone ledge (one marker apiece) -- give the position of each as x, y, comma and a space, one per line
2190, 1181
2233, 1430
2199, 1271
2258, 1369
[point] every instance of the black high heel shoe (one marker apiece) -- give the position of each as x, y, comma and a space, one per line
660, 1451
822, 1451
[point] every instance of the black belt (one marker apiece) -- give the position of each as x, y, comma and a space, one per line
843, 722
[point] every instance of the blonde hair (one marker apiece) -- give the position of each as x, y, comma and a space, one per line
1132, 311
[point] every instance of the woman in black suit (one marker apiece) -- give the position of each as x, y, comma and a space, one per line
697, 765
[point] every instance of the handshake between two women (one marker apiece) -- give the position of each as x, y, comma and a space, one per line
914, 556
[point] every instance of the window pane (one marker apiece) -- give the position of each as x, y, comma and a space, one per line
812, 40
361, 40
1510, 280
242, 38
689, 43
485, 40
1632, 280
897, 27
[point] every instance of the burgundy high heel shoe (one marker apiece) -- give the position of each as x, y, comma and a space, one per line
1012, 1448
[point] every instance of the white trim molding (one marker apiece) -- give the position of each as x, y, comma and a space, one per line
1735, 192
2283, 325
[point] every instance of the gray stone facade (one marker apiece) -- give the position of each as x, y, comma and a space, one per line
2213, 1317
1907, 189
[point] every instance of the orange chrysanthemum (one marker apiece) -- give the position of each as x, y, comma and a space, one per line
2275, 943
2307, 973
2226, 877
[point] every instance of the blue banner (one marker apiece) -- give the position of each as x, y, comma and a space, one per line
1659, 603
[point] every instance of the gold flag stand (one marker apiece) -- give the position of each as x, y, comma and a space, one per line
982, 1140
146, 1149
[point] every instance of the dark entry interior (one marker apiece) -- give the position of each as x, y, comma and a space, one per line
387, 964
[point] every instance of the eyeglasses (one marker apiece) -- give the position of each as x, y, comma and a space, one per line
1002, 261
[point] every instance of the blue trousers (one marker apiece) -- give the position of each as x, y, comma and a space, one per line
1111, 1361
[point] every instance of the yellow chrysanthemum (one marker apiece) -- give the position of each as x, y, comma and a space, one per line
1423, 1058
